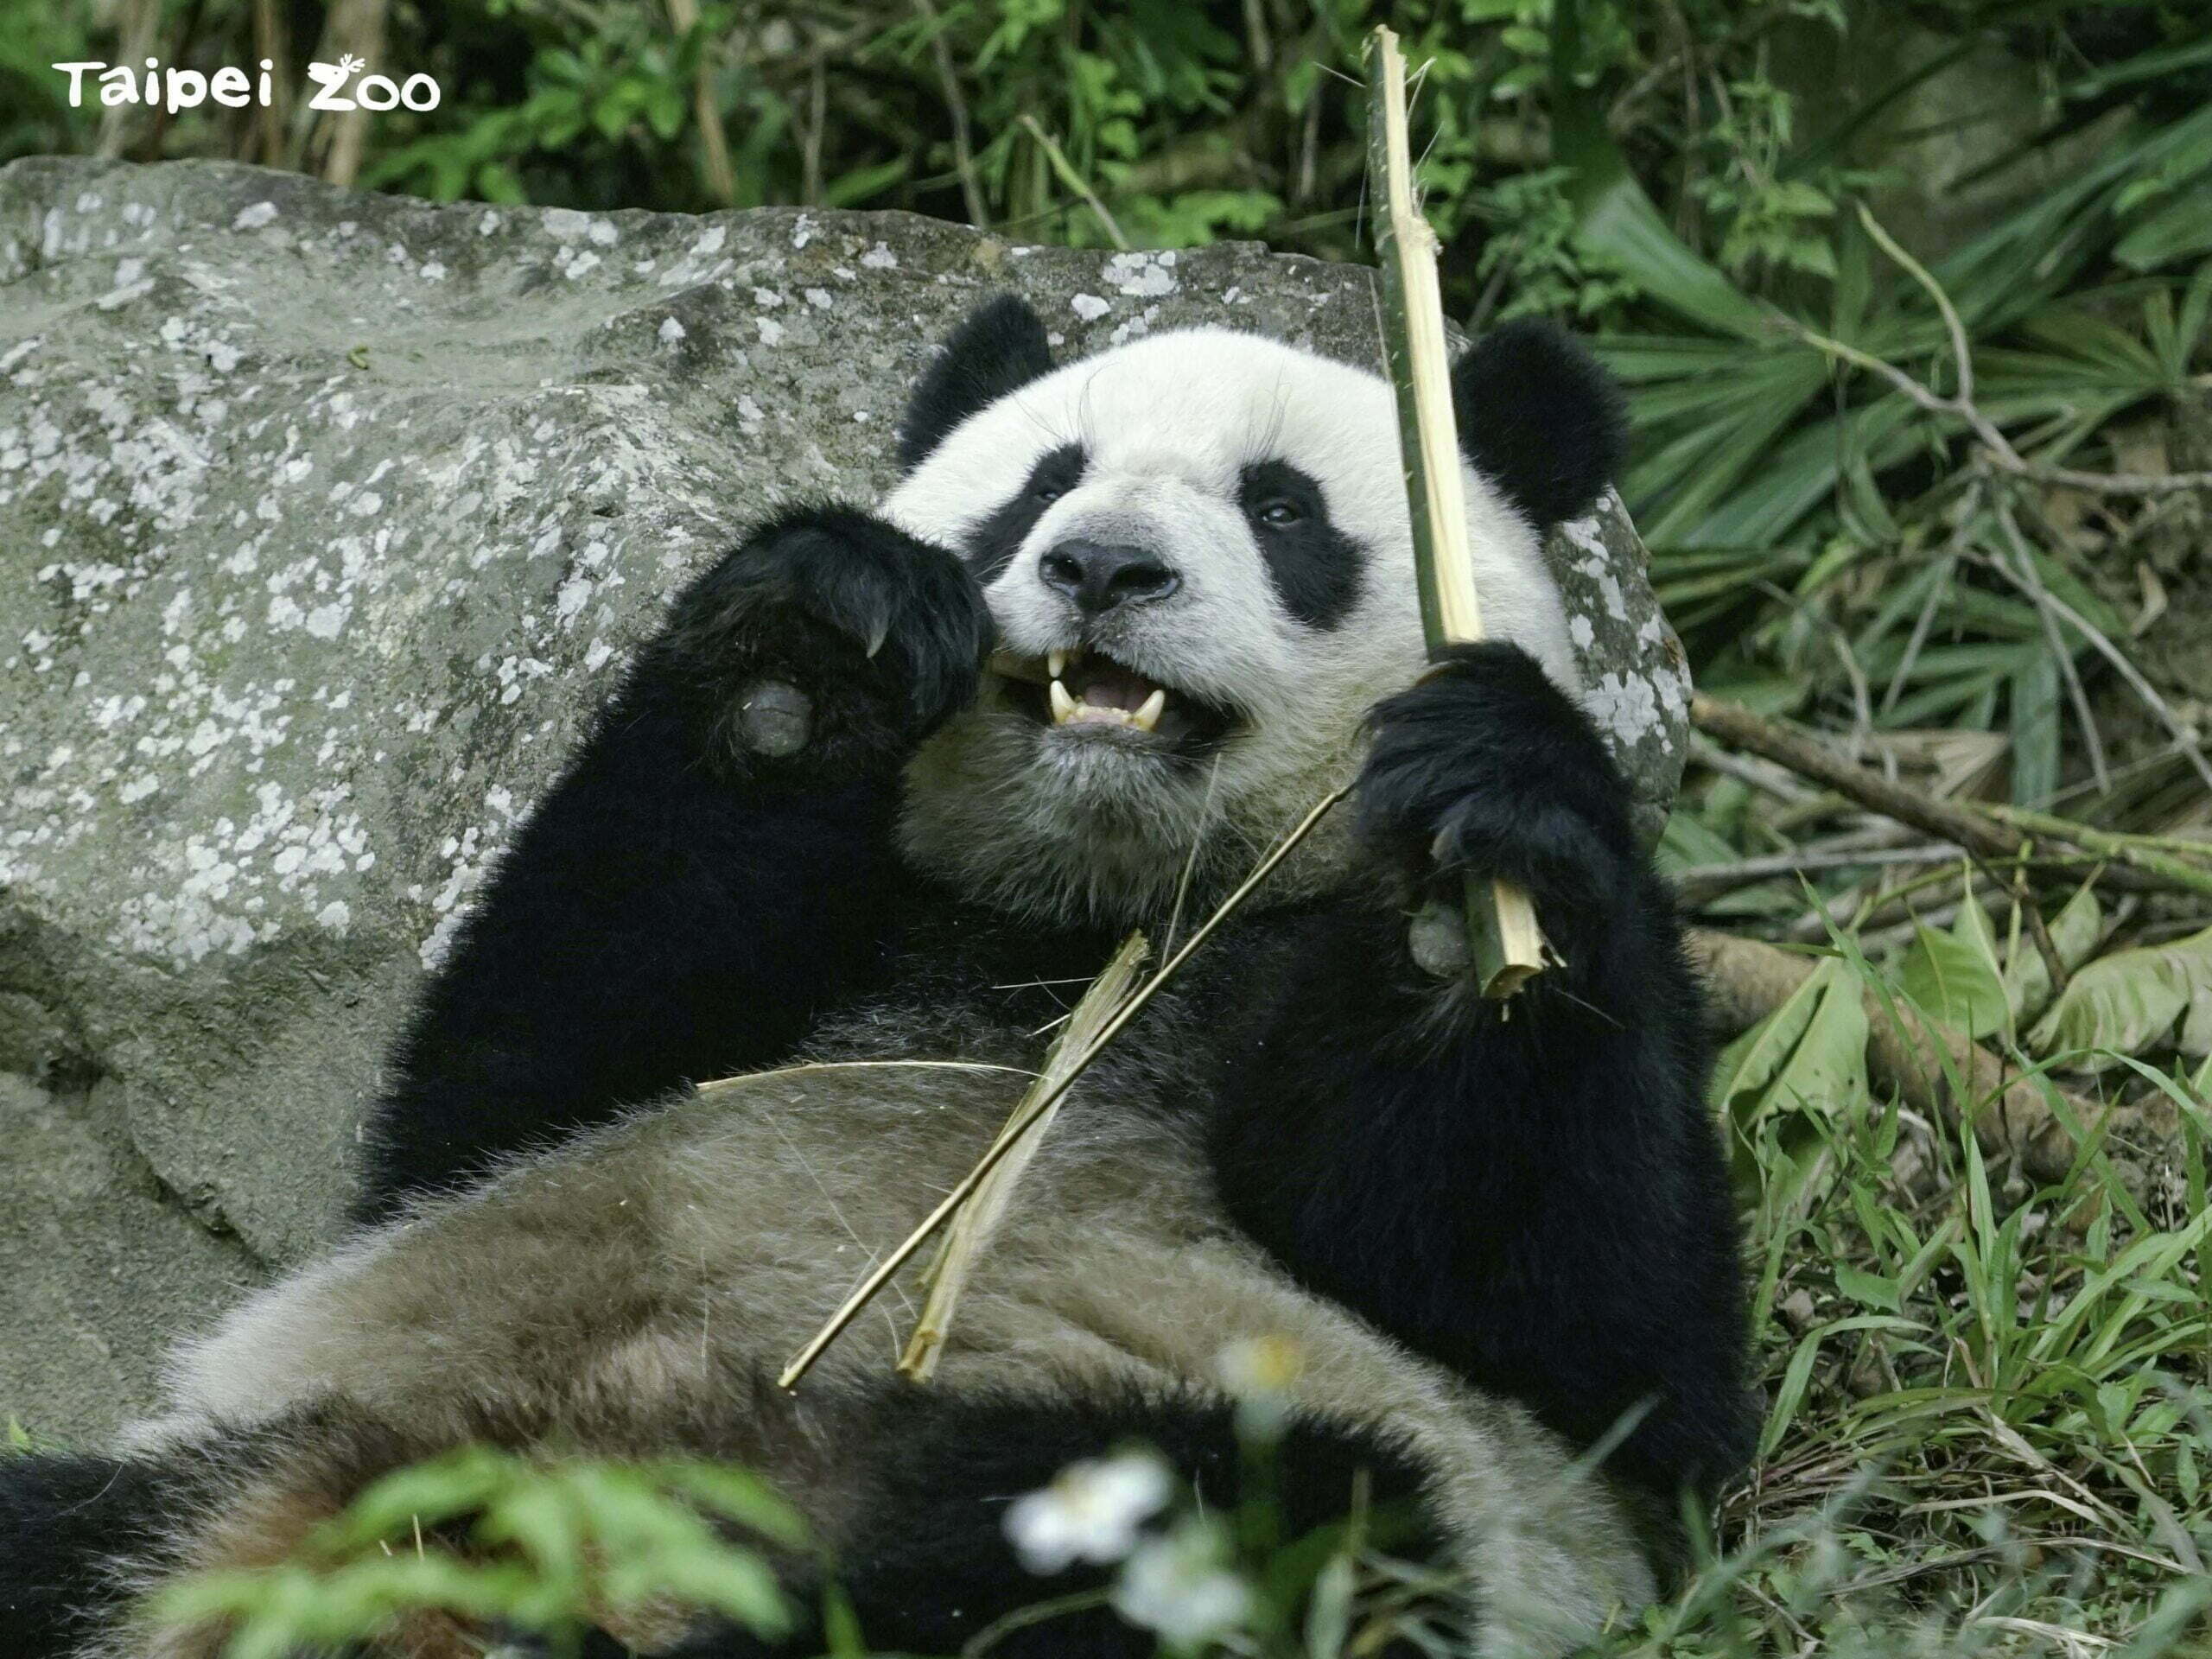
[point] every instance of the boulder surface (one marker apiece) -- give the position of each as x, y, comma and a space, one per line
325, 520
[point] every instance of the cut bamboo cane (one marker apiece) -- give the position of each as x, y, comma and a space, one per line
1025, 1128
1505, 942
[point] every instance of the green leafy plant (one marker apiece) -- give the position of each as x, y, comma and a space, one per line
539, 1546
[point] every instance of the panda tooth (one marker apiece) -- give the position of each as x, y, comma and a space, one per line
1063, 704
1056, 663
1149, 711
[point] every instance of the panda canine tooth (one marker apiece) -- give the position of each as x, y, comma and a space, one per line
1149, 711
1056, 663
1063, 704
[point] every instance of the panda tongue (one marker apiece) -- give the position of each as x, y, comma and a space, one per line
1109, 685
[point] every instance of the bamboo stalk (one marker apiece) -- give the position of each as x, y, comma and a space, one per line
884, 1270
1506, 944
979, 1217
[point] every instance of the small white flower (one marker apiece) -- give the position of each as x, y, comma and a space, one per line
1268, 1365
1092, 1513
1180, 1587
1261, 1372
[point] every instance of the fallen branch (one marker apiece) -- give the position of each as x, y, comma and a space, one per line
1999, 836
1747, 979
1701, 884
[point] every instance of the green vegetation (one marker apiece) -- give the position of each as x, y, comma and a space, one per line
1914, 298
487, 1536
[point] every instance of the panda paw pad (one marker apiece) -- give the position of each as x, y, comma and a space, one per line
831, 637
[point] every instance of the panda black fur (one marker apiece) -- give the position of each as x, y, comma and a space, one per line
821, 822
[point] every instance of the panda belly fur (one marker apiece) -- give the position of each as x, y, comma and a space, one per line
634, 1292
823, 825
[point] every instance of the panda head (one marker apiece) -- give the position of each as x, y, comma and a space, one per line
1197, 550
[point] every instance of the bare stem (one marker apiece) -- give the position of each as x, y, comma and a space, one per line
1074, 181
1961, 407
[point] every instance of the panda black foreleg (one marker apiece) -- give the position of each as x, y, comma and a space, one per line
1531, 1191
714, 868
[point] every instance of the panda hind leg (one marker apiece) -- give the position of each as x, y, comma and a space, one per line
72, 1531
928, 1563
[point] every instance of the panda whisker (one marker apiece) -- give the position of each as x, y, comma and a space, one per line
1084, 410
1271, 438
1582, 1002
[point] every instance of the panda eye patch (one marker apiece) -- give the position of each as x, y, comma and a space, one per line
994, 542
1314, 566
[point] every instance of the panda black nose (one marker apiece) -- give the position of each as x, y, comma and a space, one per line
1099, 575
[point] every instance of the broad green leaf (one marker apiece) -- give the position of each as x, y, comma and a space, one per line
1753, 1061
2035, 705
1954, 979
2181, 228
2135, 1000
1791, 1392
1867, 1289
1809, 1053
1616, 221
1329, 1609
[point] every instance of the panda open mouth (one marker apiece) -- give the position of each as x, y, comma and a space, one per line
1086, 693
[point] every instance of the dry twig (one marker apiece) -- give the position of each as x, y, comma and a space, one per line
1961, 405
1989, 833
886, 1270
714, 143
1074, 181
964, 153
972, 1227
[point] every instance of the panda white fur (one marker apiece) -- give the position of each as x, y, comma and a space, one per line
814, 827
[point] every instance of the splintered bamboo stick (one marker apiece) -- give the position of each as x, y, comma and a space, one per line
1506, 944
1044, 1101
979, 1217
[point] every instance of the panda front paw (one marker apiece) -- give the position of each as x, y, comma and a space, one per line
1486, 767
830, 642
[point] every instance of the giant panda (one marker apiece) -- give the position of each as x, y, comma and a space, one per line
890, 785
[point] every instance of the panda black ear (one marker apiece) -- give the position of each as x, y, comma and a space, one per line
999, 348
1539, 418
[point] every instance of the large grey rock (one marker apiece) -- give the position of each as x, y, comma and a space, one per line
324, 520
